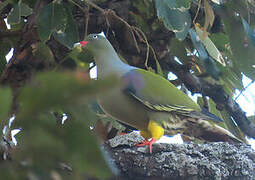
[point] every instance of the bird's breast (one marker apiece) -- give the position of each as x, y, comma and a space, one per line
124, 108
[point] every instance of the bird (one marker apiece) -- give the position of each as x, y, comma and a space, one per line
149, 102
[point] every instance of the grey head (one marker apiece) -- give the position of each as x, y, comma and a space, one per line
106, 58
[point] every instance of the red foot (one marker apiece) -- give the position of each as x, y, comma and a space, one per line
122, 133
147, 143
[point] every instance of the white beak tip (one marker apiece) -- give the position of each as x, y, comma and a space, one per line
102, 34
76, 44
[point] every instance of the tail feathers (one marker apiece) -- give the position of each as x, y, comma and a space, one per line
205, 131
212, 116
206, 115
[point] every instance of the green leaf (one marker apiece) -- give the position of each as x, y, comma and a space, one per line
82, 58
250, 33
5, 48
48, 145
231, 79
175, 17
179, 4
51, 90
18, 10
210, 47
252, 2
43, 52
70, 35
3, 63
232, 127
159, 69
209, 15
217, 1
220, 40
208, 63
14, 16
239, 7
52, 18
178, 49
25, 10
242, 51
3, 4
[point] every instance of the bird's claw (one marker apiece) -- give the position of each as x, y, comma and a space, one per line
147, 143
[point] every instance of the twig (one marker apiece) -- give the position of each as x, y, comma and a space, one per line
94, 6
198, 8
106, 13
111, 12
86, 20
76, 4
148, 46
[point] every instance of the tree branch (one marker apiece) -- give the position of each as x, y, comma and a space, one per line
180, 161
216, 92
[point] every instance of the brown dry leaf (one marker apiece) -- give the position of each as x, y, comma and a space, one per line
209, 17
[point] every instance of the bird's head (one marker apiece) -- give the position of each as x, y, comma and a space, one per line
95, 43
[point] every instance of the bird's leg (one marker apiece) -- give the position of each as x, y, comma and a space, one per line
146, 142
123, 133
154, 131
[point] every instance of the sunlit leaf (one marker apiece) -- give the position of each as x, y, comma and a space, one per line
208, 62
220, 40
210, 47
217, 1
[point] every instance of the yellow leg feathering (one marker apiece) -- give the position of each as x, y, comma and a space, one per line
154, 132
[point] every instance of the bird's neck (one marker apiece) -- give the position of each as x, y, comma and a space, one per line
109, 63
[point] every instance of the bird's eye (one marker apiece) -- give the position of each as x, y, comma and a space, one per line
95, 37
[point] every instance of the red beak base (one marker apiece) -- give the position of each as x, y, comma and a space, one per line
83, 43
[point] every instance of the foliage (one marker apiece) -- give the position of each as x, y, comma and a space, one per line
217, 38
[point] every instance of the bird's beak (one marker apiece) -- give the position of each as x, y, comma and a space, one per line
81, 44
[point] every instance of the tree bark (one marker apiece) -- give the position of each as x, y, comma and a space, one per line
187, 161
